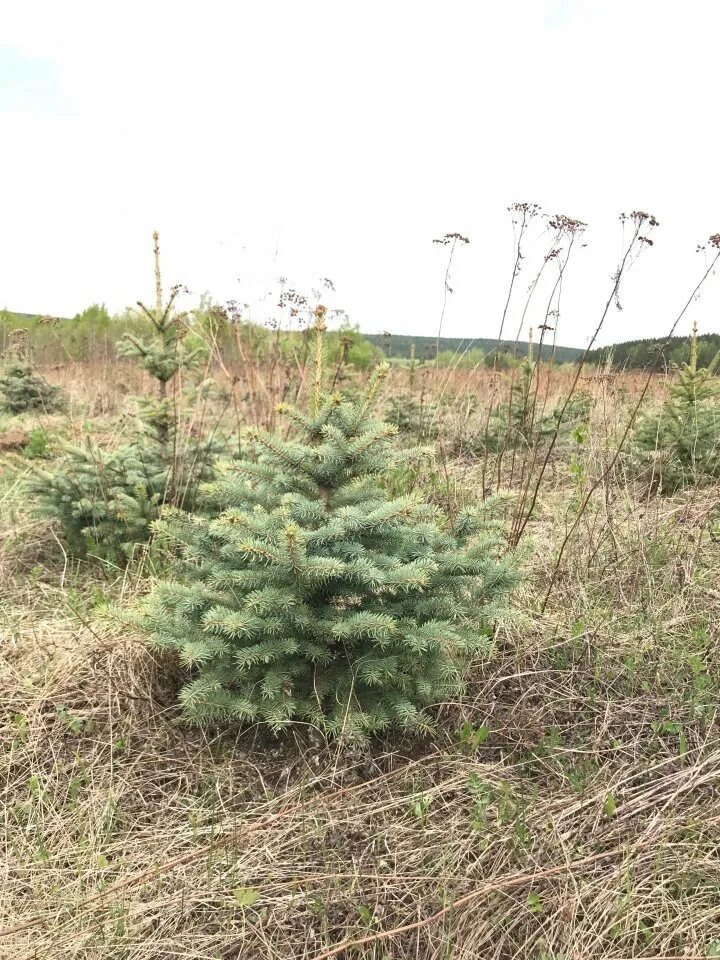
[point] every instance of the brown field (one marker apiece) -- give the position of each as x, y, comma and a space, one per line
585, 825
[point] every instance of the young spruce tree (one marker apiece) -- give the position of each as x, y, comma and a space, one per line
21, 389
314, 596
680, 445
105, 501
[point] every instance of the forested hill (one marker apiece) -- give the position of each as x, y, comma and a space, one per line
631, 354
635, 354
400, 346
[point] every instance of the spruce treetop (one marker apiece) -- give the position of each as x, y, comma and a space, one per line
160, 355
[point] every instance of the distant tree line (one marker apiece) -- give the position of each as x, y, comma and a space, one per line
464, 351
635, 354
94, 332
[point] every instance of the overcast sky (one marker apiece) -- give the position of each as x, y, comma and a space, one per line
334, 138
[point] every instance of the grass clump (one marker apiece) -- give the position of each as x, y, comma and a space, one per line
38, 446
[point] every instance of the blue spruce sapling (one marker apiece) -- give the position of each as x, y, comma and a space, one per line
314, 596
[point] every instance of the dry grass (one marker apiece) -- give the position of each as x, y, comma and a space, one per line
585, 825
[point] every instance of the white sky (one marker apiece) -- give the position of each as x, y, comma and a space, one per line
335, 138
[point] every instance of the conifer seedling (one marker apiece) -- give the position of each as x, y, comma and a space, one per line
24, 391
106, 500
680, 445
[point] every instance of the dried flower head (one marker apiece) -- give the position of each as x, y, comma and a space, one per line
527, 209
452, 238
639, 217
566, 225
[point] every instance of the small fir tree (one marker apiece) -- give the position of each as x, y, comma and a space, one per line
315, 596
512, 423
680, 445
522, 422
163, 357
23, 391
413, 417
106, 501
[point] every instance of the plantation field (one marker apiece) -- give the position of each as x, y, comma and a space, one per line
566, 805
